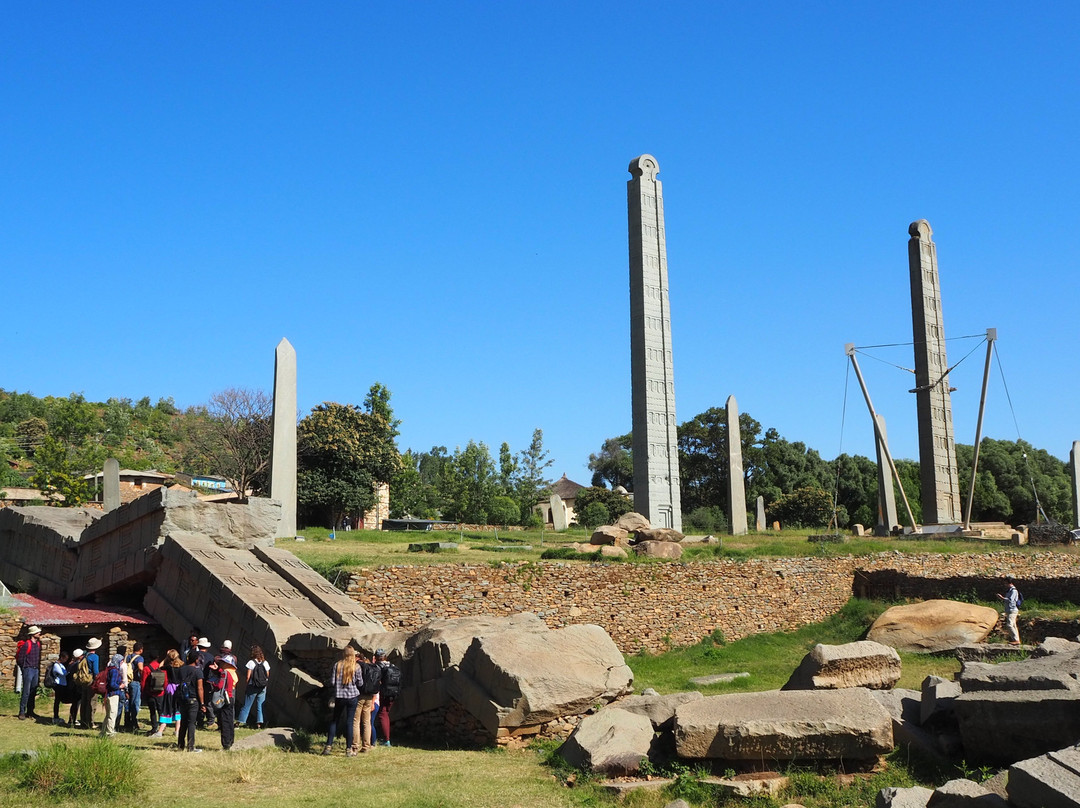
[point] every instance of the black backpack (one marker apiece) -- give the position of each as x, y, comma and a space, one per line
391, 681
258, 676
372, 675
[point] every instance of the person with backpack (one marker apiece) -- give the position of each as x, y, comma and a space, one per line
93, 665
258, 677
169, 715
74, 685
1013, 599
153, 691
136, 666
369, 680
28, 659
222, 697
56, 679
114, 684
191, 700
389, 690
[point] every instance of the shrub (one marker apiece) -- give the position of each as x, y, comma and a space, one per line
803, 507
534, 521
504, 511
99, 770
617, 504
706, 519
569, 553
594, 515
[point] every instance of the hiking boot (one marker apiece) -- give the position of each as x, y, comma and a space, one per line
350, 753
327, 750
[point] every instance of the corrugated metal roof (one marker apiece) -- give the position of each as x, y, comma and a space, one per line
55, 612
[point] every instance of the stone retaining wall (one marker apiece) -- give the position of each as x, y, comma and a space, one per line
654, 606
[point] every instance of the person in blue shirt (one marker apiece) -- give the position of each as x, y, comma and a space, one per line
1012, 610
86, 711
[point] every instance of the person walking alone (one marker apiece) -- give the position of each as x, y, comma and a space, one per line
1012, 599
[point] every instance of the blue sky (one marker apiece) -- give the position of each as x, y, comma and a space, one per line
433, 196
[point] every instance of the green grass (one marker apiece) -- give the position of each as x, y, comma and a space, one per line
92, 771
771, 658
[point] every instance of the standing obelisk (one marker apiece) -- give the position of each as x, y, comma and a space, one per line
283, 453
656, 452
1074, 459
937, 447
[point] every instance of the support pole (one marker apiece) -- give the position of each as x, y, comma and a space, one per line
849, 349
991, 337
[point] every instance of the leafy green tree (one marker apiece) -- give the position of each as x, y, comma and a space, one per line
705, 519
508, 470
856, 487
803, 507
703, 451
343, 452
377, 402
31, 433
55, 476
1015, 472
73, 420
530, 479
468, 484
504, 511
595, 514
117, 420
615, 504
614, 463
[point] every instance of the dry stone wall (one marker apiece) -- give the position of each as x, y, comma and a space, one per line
658, 605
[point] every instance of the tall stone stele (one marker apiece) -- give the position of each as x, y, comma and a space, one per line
941, 501
1074, 459
656, 456
283, 455
736, 487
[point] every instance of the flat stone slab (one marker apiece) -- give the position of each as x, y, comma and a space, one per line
1007, 726
750, 785
989, 651
964, 794
719, 678
893, 797
622, 787
281, 737
1049, 781
1054, 672
784, 725
433, 547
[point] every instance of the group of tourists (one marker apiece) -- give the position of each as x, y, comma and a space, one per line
364, 692
181, 691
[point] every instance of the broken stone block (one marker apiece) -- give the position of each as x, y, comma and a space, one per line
611, 742
784, 725
854, 664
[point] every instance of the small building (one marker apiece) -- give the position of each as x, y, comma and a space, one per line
17, 497
133, 484
567, 490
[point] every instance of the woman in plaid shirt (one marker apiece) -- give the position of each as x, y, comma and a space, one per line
346, 694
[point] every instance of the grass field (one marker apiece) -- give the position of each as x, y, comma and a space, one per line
422, 777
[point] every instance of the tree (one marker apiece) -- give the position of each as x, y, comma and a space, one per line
343, 452
803, 507
530, 482
614, 503
232, 438
614, 464
1015, 471
55, 477
504, 510
508, 470
468, 484
377, 402
703, 457
595, 514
